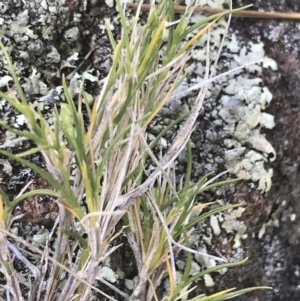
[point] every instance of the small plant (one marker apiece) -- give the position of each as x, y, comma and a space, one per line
110, 152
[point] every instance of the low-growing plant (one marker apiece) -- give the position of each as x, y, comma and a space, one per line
96, 168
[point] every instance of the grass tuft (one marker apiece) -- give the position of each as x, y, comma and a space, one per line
96, 170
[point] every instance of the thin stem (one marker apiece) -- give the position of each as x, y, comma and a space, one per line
212, 11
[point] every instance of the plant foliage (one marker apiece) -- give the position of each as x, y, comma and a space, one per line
100, 163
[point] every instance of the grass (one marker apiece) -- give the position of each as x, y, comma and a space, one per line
110, 151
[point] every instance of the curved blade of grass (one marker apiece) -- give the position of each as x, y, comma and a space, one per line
184, 197
205, 215
198, 35
34, 150
110, 35
87, 105
76, 235
23, 108
13, 73
9, 206
189, 258
225, 295
65, 190
214, 269
22, 133
34, 167
28, 194
220, 183
210, 18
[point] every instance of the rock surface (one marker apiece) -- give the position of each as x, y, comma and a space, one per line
274, 259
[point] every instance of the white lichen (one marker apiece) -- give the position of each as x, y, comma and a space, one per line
253, 53
208, 281
214, 223
107, 273
6, 167
262, 231
4, 80
232, 223
41, 237
204, 260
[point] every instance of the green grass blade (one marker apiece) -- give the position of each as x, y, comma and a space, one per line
28, 194
232, 295
13, 73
